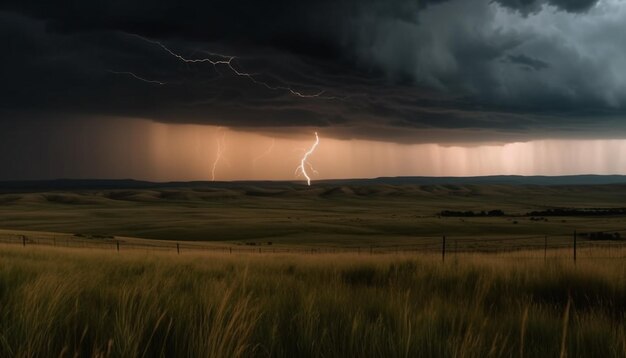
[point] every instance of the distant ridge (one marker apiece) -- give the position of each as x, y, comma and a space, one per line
585, 179
66, 184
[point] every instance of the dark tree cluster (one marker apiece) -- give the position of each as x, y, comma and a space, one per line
597, 236
579, 212
469, 213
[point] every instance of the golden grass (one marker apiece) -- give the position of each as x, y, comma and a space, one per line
98, 303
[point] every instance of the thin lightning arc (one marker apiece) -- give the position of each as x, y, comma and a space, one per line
228, 61
265, 153
304, 163
137, 77
220, 153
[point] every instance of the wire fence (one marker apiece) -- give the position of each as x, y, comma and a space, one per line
582, 245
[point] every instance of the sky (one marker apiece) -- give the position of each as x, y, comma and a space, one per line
206, 90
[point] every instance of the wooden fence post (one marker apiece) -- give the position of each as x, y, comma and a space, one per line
575, 246
178, 248
23, 240
545, 248
443, 249
117, 243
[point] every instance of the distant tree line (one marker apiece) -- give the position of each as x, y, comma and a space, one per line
538, 215
470, 213
602, 236
95, 236
579, 212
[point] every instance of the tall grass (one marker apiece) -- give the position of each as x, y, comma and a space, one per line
91, 303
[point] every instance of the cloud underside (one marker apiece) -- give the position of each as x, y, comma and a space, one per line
401, 70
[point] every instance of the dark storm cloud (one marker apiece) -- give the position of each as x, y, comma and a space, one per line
387, 69
527, 62
312, 27
534, 6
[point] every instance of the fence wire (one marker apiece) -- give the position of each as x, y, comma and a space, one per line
534, 246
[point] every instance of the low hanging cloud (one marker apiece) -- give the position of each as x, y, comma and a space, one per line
526, 62
535, 6
401, 70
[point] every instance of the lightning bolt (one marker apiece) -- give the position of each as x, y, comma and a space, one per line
226, 60
220, 153
137, 77
265, 153
304, 161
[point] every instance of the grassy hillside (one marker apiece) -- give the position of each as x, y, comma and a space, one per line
90, 303
294, 214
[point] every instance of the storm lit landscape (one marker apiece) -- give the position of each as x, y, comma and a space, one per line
355, 178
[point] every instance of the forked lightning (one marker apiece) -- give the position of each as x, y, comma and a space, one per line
304, 161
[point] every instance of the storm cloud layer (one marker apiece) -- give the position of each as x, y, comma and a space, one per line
401, 70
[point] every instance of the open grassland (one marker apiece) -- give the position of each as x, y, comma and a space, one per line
284, 270
58, 302
293, 214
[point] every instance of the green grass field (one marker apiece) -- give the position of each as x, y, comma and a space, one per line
91, 303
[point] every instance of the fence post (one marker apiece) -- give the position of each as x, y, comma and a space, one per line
575, 246
358, 250
443, 249
23, 240
545, 248
230, 250
178, 248
117, 243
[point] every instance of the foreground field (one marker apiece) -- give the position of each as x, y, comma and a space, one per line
82, 302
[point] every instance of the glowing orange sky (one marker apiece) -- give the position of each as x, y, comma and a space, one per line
146, 150
187, 152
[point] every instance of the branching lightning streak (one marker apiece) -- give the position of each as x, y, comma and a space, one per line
218, 156
304, 163
137, 77
265, 153
228, 61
